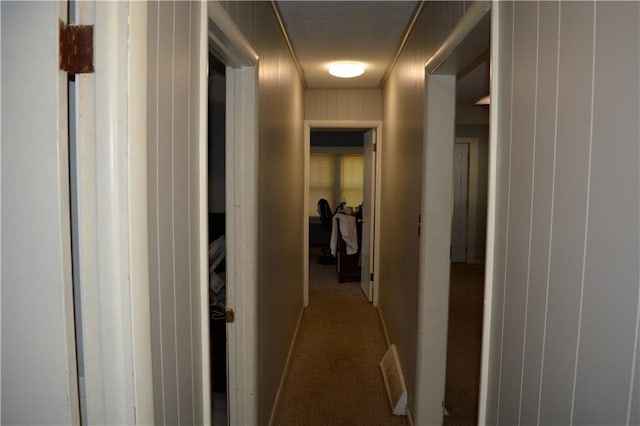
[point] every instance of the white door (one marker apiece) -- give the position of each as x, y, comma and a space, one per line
39, 373
369, 190
460, 195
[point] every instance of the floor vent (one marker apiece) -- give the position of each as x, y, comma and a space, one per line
394, 381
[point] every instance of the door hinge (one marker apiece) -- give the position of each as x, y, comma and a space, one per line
371, 277
374, 147
419, 224
76, 48
230, 316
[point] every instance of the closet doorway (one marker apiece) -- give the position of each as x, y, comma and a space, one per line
231, 194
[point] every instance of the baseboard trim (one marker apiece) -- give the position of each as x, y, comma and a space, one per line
384, 327
285, 371
409, 416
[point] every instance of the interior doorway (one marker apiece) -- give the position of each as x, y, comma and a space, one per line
468, 231
468, 240
236, 189
468, 42
341, 212
216, 119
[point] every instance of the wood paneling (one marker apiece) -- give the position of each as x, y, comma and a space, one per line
568, 207
173, 121
343, 104
281, 194
403, 124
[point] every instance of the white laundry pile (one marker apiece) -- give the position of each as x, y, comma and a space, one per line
348, 231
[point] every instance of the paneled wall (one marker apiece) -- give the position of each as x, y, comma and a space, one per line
403, 118
281, 192
174, 98
343, 104
565, 340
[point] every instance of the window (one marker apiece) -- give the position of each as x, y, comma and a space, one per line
352, 171
336, 178
322, 178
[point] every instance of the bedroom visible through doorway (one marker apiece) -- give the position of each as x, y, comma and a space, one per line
340, 194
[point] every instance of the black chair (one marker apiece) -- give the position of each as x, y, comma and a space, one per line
326, 218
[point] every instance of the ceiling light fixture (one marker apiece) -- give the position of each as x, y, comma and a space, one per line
346, 69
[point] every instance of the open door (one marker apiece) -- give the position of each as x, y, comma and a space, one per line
368, 229
39, 370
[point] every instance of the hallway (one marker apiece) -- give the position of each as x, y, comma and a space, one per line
334, 377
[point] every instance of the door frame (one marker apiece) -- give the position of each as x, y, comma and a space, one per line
461, 46
113, 268
472, 197
341, 124
241, 186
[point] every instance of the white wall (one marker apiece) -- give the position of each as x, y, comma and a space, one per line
343, 104
566, 295
403, 118
39, 382
175, 238
281, 192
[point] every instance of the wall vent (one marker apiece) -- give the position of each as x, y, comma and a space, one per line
394, 381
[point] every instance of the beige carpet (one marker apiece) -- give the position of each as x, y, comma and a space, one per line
334, 377
464, 344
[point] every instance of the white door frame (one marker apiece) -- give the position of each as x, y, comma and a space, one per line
492, 182
112, 216
341, 124
463, 45
241, 185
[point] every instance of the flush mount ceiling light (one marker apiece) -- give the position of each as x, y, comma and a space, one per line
346, 69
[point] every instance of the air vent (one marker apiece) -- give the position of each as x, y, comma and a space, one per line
394, 381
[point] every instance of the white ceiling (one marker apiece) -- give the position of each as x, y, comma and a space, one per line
327, 31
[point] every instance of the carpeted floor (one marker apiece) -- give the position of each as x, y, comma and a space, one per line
464, 344
334, 377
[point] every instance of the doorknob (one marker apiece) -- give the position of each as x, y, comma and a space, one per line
361, 221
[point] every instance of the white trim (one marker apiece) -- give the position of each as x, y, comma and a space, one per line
242, 242
435, 241
138, 215
227, 41
285, 372
341, 124
202, 216
472, 197
490, 274
439, 63
241, 183
462, 45
305, 218
112, 217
